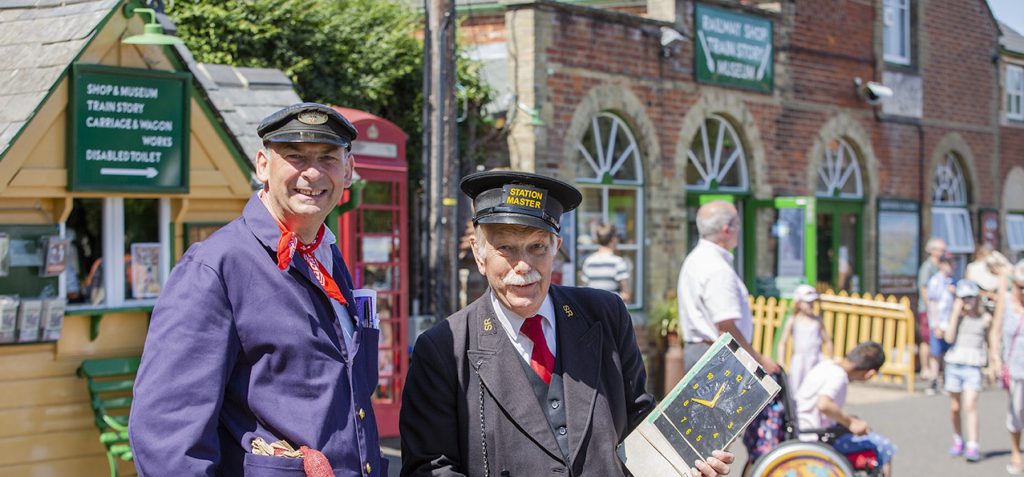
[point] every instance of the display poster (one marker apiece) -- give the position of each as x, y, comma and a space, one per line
8, 318
146, 270
899, 244
989, 221
56, 250
29, 315
52, 318
5, 255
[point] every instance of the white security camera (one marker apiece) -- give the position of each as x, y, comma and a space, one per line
670, 36
872, 92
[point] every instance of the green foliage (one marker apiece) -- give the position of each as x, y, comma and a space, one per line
362, 54
664, 317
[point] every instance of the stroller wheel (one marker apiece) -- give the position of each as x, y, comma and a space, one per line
802, 458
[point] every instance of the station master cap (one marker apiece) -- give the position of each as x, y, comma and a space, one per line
308, 122
519, 198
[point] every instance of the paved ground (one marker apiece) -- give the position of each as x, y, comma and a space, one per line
921, 427
918, 424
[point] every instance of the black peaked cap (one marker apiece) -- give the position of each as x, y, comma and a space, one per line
308, 122
519, 198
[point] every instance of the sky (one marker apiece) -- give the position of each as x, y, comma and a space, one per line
1010, 12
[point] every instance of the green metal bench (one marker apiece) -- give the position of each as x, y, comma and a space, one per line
110, 384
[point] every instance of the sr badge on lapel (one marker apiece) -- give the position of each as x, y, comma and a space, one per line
567, 310
488, 326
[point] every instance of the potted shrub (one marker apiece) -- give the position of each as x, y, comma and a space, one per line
664, 319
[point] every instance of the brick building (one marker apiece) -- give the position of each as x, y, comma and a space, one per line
1011, 138
846, 136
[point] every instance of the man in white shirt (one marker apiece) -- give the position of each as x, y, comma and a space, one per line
820, 400
712, 298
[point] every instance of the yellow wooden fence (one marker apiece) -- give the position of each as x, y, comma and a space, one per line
850, 319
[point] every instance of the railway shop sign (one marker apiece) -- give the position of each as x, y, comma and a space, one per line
733, 49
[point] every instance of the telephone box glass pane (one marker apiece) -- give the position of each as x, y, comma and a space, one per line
377, 193
378, 221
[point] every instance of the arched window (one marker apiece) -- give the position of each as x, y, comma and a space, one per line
951, 219
839, 172
840, 187
948, 185
609, 173
716, 161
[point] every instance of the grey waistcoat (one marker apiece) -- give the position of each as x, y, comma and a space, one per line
552, 400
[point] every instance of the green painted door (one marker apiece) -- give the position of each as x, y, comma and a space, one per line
840, 246
780, 237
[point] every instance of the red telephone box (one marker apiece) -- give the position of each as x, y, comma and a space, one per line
374, 241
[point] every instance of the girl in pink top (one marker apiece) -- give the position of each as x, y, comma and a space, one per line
807, 331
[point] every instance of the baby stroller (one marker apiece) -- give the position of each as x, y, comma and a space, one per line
792, 451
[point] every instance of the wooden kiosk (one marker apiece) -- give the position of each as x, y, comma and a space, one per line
111, 164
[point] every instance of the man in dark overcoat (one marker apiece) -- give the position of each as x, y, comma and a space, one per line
530, 379
256, 362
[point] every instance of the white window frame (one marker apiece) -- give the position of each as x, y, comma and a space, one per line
605, 164
949, 186
712, 166
947, 221
1015, 92
1015, 232
113, 255
838, 168
895, 8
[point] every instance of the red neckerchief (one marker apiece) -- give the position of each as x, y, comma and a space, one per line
289, 243
314, 462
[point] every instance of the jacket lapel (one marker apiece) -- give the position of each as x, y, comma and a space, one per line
497, 363
580, 350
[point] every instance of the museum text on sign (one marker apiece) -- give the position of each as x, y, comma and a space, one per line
129, 130
733, 49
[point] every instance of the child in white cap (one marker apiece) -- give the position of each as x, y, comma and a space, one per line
808, 333
967, 331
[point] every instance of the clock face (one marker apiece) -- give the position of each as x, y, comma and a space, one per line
713, 407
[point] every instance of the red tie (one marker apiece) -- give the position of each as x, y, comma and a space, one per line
542, 361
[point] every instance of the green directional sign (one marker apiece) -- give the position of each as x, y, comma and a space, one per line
733, 49
129, 130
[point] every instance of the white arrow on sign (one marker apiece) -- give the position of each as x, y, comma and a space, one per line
149, 172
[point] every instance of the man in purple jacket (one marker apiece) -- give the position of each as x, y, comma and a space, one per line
255, 363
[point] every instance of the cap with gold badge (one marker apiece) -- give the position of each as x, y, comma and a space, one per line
308, 122
519, 198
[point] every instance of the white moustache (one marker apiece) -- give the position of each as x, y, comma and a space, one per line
515, 279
